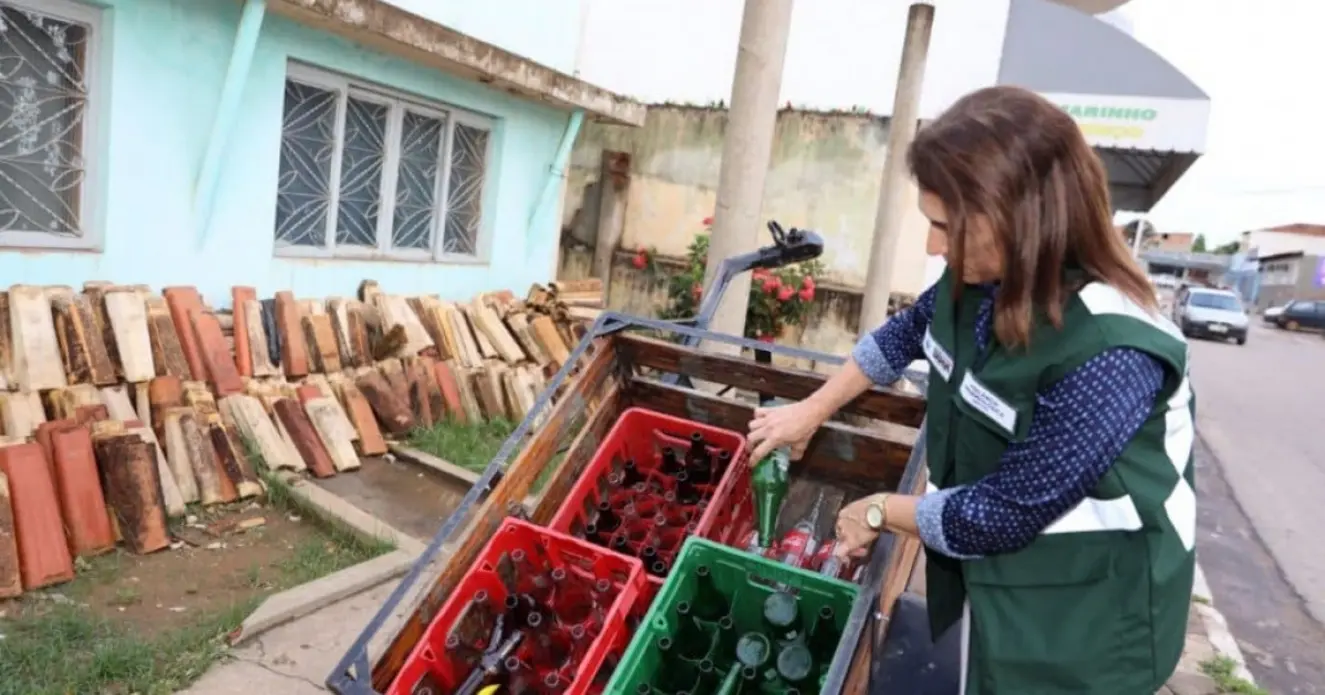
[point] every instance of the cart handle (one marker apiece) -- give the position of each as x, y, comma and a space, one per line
788, 247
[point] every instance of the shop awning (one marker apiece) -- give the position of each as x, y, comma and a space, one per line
1143, 116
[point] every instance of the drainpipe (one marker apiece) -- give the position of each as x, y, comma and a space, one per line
227, 111
557, 172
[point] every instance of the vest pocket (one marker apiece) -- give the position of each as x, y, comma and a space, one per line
1052, 618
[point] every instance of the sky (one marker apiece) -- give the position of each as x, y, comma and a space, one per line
1259, 60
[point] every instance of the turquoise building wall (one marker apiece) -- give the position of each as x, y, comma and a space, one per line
161, 67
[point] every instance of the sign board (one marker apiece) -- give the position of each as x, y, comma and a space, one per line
1138, 123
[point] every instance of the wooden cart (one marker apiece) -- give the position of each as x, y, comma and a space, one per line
627, 361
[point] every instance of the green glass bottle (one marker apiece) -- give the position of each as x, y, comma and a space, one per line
796, 665
740, 680
674, 673
769, 483
708, 602
690, 640
725, 646
824, 636
707, 681
782, 617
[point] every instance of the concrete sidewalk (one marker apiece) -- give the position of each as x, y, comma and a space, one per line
295, 659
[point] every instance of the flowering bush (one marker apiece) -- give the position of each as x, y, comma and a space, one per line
779, 298
644, 260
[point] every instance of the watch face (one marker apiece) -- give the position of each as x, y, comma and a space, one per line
874, 517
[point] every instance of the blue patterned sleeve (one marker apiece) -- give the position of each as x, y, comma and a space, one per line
1081, 424
884, 353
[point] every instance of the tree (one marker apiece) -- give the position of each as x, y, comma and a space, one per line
1149, 235
1227, 249
1198, 244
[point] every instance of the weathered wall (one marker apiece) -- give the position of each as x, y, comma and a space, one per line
825, 176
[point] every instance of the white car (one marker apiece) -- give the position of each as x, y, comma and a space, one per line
1211, 313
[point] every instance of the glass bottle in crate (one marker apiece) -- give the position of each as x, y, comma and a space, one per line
824, 635
708, 601
782, 617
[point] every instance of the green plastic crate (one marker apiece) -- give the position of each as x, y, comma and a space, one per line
745, 580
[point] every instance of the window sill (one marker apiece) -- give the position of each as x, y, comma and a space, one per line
28, 247
297, 254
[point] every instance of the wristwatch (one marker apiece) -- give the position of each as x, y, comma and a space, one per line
876, 515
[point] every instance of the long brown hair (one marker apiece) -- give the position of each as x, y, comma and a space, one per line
1012, 156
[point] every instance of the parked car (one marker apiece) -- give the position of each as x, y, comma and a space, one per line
1299, 313
1210, 313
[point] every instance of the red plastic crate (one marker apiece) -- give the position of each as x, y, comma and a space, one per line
617, 650
641, 435
733, 525
433, 665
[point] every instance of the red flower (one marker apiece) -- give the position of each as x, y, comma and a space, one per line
696, 290
765, 338
808, 281
807, 294
760, 274
771, 285
640, 261
786, 293
708, 221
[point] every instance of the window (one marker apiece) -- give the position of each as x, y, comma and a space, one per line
365, 172
46, 49
1211, 300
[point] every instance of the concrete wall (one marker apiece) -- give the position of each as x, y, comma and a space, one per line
162, 66
1270, 243
1292, 278
825, 176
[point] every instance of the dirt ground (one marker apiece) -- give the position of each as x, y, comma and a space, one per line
152, 623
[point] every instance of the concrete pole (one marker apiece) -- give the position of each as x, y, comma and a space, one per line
747, 150
889, 217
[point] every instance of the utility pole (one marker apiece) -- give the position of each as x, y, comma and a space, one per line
746, 152
893, 191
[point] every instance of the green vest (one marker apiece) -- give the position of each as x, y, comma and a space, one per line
1098, 603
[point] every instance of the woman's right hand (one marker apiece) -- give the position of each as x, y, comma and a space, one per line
787, 425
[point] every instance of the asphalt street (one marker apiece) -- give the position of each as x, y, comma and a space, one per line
1261, 484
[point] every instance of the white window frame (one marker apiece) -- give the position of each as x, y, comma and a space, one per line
398, 102
89, 190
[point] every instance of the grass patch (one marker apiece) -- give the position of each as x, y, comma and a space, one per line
68, 650
1221, 670
474, 446
50, 647
470, 446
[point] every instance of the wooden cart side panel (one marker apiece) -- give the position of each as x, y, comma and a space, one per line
599, 373
907, 552
578, 456
837, 452
886, 404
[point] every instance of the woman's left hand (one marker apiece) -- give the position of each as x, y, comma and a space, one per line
854, 534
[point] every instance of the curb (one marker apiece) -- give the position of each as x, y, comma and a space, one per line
1216, 627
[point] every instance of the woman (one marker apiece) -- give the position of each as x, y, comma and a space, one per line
1060, 519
